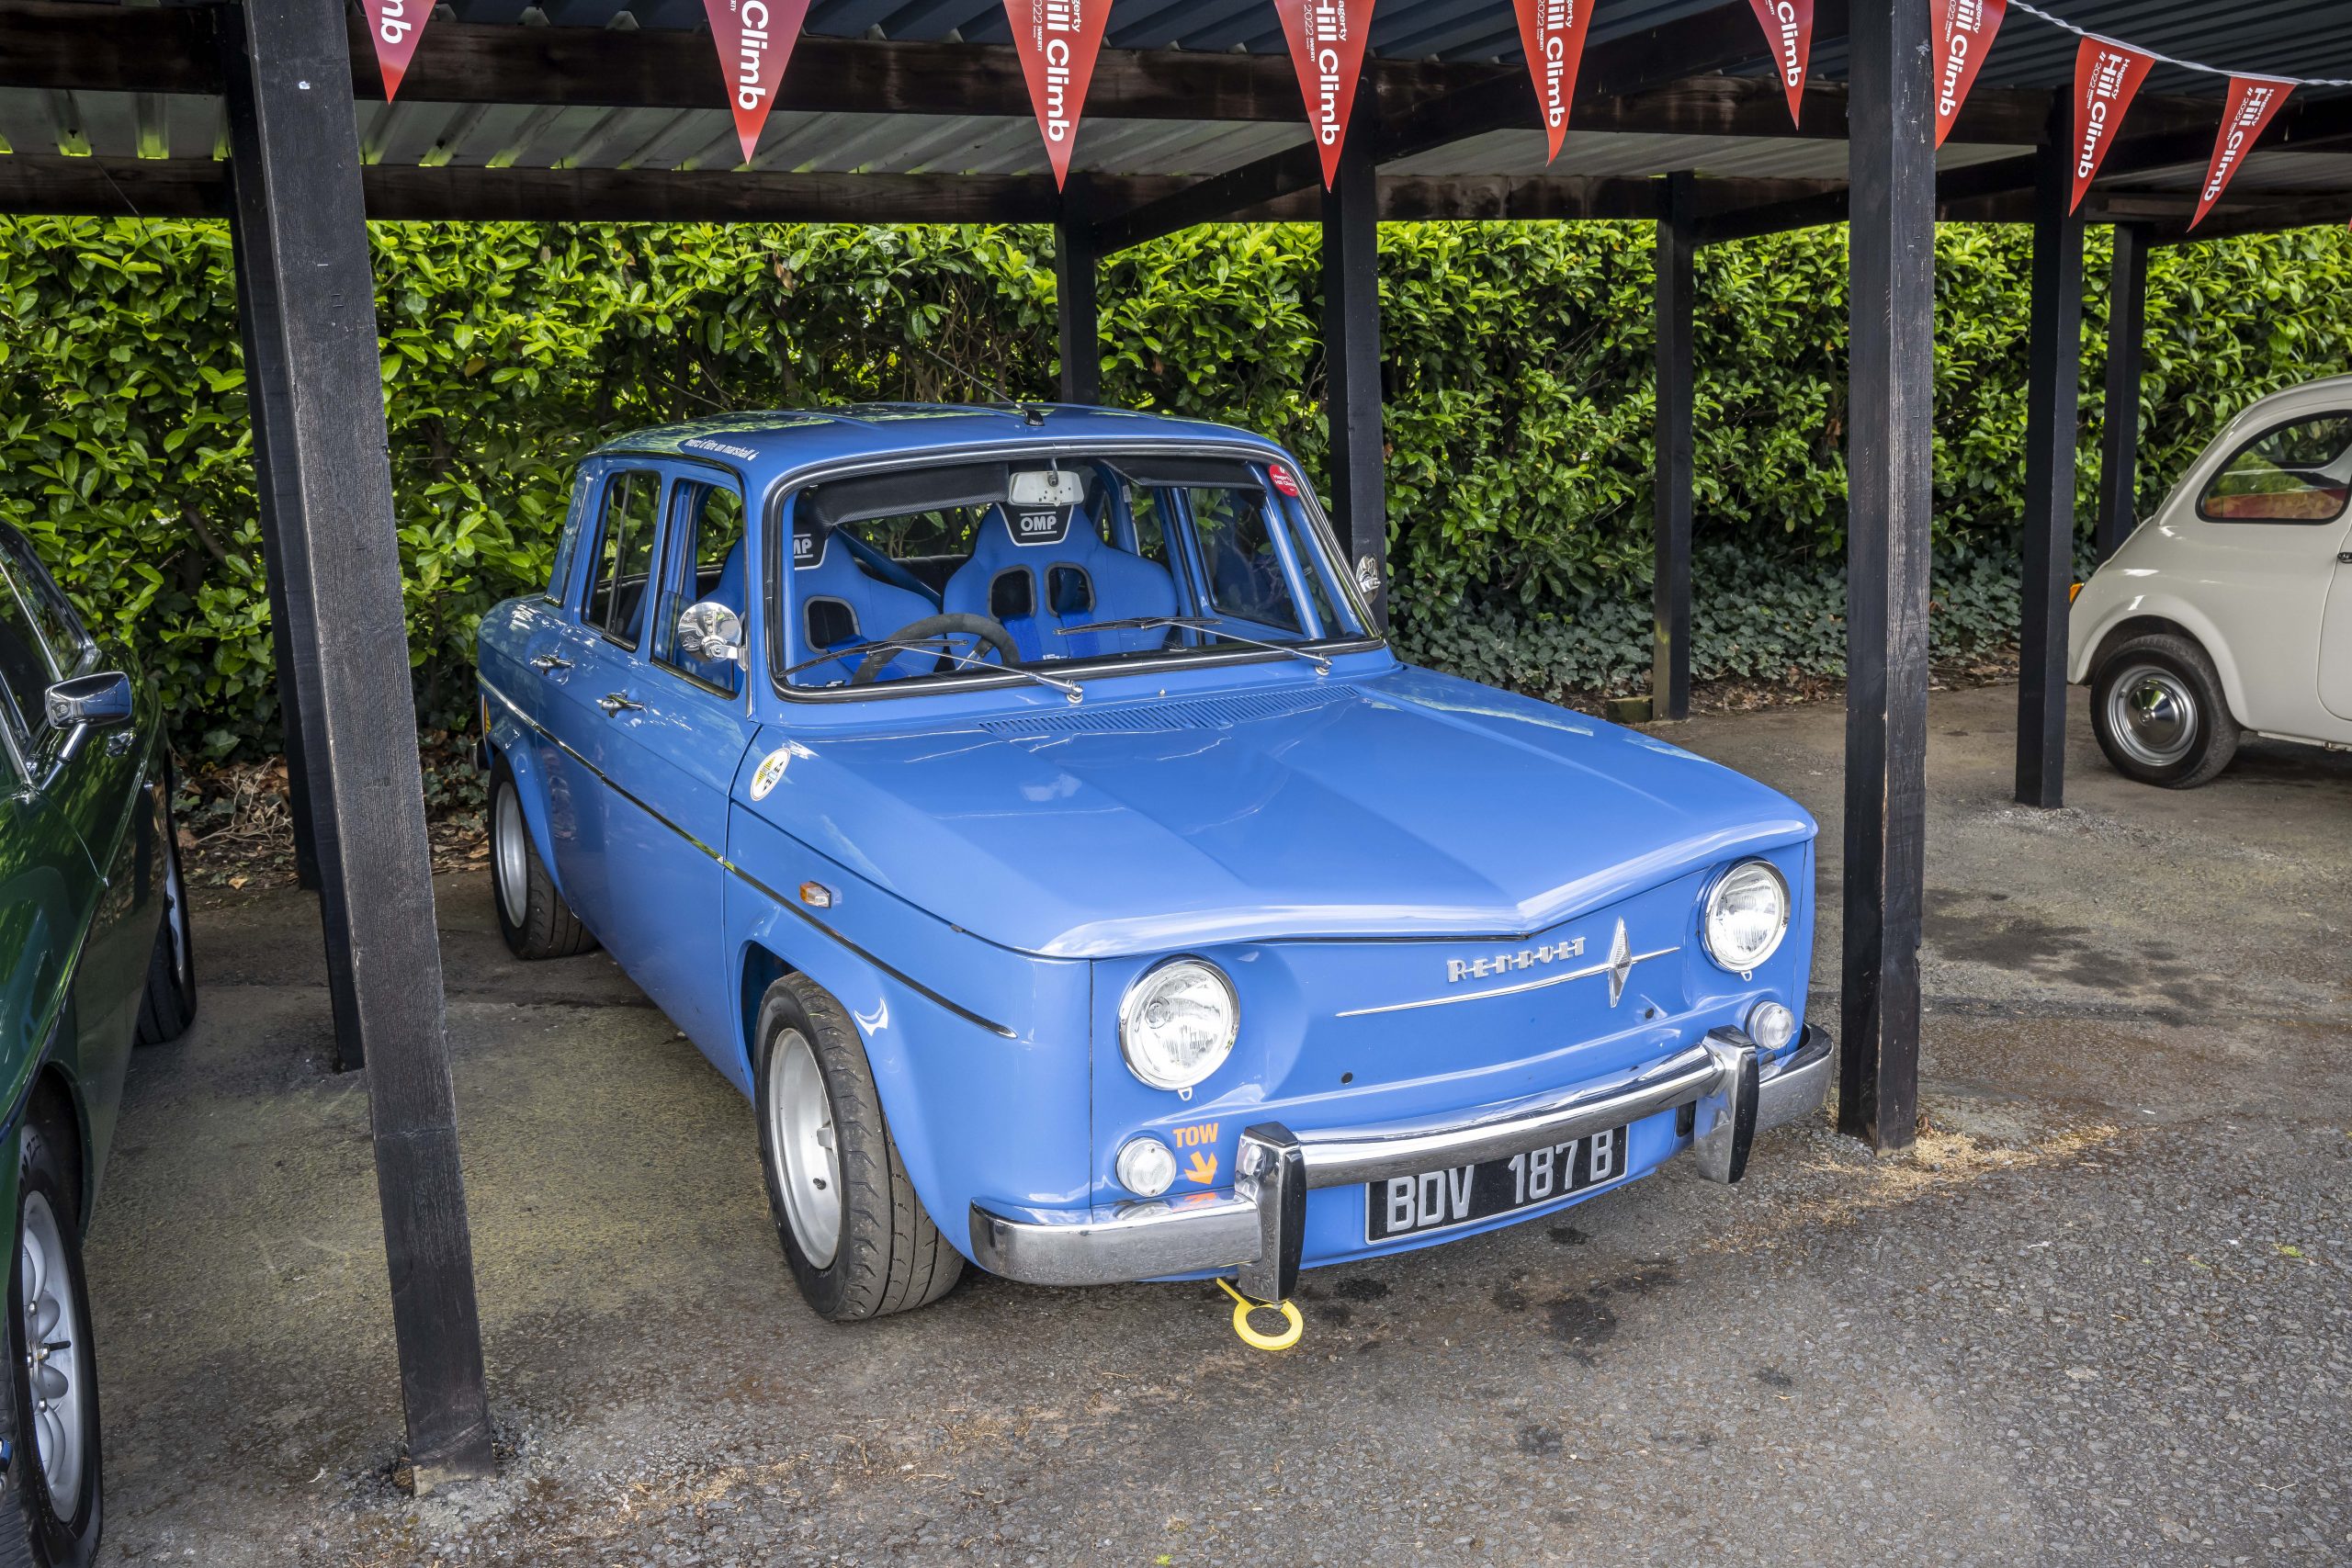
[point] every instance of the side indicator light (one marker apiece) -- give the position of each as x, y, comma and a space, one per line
816, 895
2074, 593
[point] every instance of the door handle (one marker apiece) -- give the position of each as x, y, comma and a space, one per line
618, 702
2344, 558
550, 661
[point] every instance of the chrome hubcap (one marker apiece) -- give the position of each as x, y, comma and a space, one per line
800, 1136
52, 1362
506, 849
2153, 714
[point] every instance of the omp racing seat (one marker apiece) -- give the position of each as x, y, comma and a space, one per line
1060, 575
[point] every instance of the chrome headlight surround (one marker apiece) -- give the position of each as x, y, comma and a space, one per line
1744, 881
1153, 1046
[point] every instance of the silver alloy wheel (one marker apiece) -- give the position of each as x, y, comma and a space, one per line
801, 1134
52, 1362
2153, 714
175, 922
508, 844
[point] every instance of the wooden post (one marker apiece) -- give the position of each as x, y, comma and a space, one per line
1891, 244
2127, 328
1077, 257
2053, 369
1671, 479
1351, 357
287, 71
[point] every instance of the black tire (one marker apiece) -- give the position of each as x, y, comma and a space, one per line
888, 1255
2159, 713
37, 1526
544, 926
168, 1002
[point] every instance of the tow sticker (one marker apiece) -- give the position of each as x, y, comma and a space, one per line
771, 769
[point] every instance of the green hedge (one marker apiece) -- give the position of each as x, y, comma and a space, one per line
1519, 415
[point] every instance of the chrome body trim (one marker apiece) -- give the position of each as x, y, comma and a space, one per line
790, 906
1258, 1228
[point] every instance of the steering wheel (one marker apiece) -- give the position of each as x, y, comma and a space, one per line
980, 628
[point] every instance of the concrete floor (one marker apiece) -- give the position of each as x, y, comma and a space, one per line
2103, 1314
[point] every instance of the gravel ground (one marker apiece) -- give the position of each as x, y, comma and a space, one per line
2102, 1316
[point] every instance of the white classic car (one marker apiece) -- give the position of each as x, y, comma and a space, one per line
2230, 608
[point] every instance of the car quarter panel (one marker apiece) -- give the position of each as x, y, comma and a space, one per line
979, 1053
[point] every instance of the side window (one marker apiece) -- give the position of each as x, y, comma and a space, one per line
25, 673
703, 562
2295, 473
625, 556
55, 620
1246, 578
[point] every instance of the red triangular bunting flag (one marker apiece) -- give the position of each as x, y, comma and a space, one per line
1964, 30
1326, 46
2107, 74
2252, 100
754, 40
1057, 40
1552, 31
1788, 28
394, 25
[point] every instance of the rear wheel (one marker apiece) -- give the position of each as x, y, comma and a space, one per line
532, 915
52, 1467
167, 1005
855, 1233
2158, 711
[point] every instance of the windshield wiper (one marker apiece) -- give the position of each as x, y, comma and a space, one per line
939, 645
1198, 623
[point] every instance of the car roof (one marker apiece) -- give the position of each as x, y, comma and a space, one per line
765, 445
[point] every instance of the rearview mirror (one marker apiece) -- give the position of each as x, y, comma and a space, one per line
711, 632
1046, 487
86, 703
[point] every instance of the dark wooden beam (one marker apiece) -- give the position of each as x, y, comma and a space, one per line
1890, 434
2053, 374
1079, 314
1671, 473
308, 267
2127, 322
1353, 388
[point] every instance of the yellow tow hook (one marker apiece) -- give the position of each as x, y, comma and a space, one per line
1243, 1307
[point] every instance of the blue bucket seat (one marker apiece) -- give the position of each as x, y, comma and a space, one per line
841, 606
1039, 589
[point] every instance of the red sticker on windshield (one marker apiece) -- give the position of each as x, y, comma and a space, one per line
1283, 482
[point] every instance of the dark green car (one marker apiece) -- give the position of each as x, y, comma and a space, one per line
94, 954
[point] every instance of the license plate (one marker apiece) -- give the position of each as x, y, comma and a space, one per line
1458, 1195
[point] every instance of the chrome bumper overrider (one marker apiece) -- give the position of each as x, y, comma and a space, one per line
1259, 1227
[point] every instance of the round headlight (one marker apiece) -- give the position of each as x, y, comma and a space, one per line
1147, 1168
1177, 1023
1748, 914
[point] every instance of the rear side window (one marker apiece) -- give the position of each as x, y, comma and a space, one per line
625, 556
2299, 472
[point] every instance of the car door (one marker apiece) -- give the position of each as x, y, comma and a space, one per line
674, 726
2255, 546
589, 653
2336, 638
92, 790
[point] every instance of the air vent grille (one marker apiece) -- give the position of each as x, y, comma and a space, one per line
1203, 713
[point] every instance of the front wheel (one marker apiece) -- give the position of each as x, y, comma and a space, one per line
167, 1001
2158, 711
855, 1233
52, 1469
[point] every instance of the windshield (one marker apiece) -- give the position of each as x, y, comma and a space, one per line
957, 571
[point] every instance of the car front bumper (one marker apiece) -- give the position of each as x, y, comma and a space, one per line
1259, 1227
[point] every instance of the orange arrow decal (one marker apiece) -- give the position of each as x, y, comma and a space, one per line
1203, 1169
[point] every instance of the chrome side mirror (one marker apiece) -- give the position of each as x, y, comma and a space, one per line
86, 703
711, 632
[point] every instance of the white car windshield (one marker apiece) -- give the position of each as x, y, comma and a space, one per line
1059, 567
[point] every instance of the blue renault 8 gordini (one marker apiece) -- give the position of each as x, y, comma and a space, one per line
1020, 808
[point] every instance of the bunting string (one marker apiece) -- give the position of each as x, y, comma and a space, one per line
2061, 23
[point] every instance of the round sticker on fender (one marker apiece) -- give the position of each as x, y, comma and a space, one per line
771, 769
